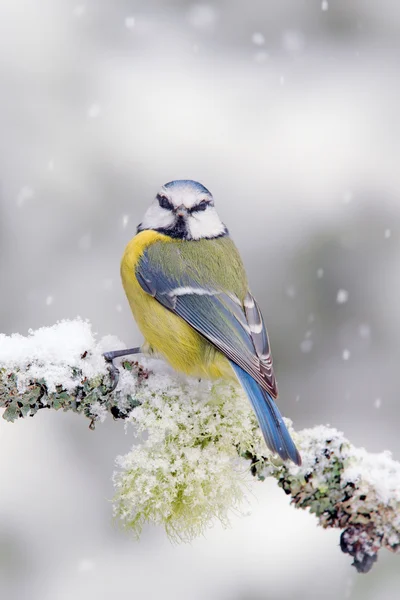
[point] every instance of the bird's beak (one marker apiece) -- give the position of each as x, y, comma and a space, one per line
181, 211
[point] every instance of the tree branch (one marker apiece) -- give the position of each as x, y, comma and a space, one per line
189, 469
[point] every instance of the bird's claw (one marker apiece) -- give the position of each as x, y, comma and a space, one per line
112, 369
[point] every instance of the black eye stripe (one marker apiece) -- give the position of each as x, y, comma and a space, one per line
164, 202
200, 207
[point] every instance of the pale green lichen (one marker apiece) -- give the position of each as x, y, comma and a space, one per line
196, 444
347, 488
187, 472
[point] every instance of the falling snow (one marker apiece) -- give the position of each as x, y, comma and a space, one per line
49, 300
387, 234
130, 22
324, 5
378, 402
258, 39
94, 111
346, 354
125, 221
342, 296
320, 273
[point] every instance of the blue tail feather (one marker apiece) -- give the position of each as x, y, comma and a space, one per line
270, 420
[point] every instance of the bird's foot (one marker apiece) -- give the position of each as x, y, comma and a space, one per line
113, 370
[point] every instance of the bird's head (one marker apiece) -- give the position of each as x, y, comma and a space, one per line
184, 209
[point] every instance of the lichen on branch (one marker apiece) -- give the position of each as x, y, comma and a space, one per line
198, 446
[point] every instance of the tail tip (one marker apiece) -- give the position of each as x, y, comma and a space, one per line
291, 454
297, 459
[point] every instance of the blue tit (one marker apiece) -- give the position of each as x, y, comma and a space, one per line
188, 291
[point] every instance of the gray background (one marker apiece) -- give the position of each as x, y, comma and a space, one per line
296, 132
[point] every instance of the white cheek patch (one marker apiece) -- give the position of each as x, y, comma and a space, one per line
205, 224
158, 218
201, 224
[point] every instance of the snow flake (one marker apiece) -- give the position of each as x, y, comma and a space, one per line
324, 5
94, 111
258, 39
346, 354
130, 22
342, 296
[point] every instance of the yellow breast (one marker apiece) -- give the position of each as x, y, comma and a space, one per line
166, 333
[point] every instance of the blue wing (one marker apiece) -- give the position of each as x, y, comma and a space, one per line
237, 329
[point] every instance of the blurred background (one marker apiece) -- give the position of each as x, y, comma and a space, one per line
289, 113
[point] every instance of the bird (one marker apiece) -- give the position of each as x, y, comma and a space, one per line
189, 294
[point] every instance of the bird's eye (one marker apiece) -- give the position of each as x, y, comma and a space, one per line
164, 202
202, 206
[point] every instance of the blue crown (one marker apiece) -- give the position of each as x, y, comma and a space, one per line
188, 184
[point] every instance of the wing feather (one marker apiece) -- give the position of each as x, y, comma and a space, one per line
236, 328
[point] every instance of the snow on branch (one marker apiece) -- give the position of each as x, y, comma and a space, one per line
198, 446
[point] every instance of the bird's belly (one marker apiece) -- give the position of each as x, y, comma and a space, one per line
170, 336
